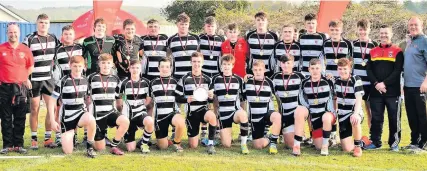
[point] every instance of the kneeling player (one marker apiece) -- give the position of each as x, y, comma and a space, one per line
103, 92
316, 96
286, 86
136, 93
228, 89
349, 91
166, 111
72, 89
258, 91
197, 109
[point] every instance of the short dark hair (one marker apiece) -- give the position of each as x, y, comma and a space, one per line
310, 17
210, 20
261, 14
232, 26
344, 62
152, 21
67, 27
285, 58
183, 17
289, 25
228, 58
314, 61
336, 23
385, 26
42, 17
128, 22
196, 54
98, 21
364, 23
166, 59
134, 62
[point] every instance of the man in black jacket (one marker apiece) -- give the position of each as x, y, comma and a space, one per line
383, 71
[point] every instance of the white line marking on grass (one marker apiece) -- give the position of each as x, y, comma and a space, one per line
29, 157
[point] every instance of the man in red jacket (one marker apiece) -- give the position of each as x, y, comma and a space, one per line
236, 46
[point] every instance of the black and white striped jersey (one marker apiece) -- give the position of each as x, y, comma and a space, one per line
229, 101
342, 49
261, 47
187, 84
311, 47
182, 48
103, 90
281, 48
346, 91
136, 93
210, 46
162, 91
361, 56
287, 89
317, 97
258, 96
63, 55
72, 93
43, 49
155, 48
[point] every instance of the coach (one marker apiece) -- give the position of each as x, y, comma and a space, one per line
16, 63
415, 89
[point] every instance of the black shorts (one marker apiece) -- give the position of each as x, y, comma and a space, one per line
346, 129
162, 126
258, 128
42, 87
367, 89
70, 125
193, 121
228, 122
135, 123
287, 121
104, 123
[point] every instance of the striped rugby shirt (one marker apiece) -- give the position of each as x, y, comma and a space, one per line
182, 48
211, 46
62, 58
43, 49
342, 49
136, 93
187, 84
258, 97
321, 92
346, 91
361, 53
103, 90
72, 93
281, 48
287, 89
227, 104
311, 47
164, 101
261, 47
155, 48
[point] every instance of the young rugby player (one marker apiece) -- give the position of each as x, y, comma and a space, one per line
288, 46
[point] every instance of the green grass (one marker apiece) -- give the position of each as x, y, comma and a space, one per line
225, 159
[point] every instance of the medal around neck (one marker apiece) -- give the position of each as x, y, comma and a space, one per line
200, 94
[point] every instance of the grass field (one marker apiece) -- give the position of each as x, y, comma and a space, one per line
224, 159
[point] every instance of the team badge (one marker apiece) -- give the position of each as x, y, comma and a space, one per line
390, 54
21, 54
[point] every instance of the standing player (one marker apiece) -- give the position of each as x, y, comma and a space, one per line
349, 91
62, 62
286, 86
71, 90
166, 110
103, 90
258, 92
181, 46
335, 48
238, 47
154, 48
210, 47
261, 44
315, 95
288, 46
197, 109
43, 45
311, 42
136, 92
361, 55
228, 90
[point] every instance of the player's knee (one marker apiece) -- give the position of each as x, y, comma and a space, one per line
193, 145
67, 150
347, 148
327, 118
123, 121
130, 148
226, 145
258, 145
275, 118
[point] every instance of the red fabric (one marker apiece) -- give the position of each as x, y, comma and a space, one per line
240, 52
107, 10
318, 133
83, 25
328, 11
14, 63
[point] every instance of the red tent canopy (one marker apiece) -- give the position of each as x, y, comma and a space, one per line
83, 25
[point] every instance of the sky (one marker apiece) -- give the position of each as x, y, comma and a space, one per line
37, 4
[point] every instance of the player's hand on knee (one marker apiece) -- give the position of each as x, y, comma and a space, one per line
55, 126
190, 99
355, 119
